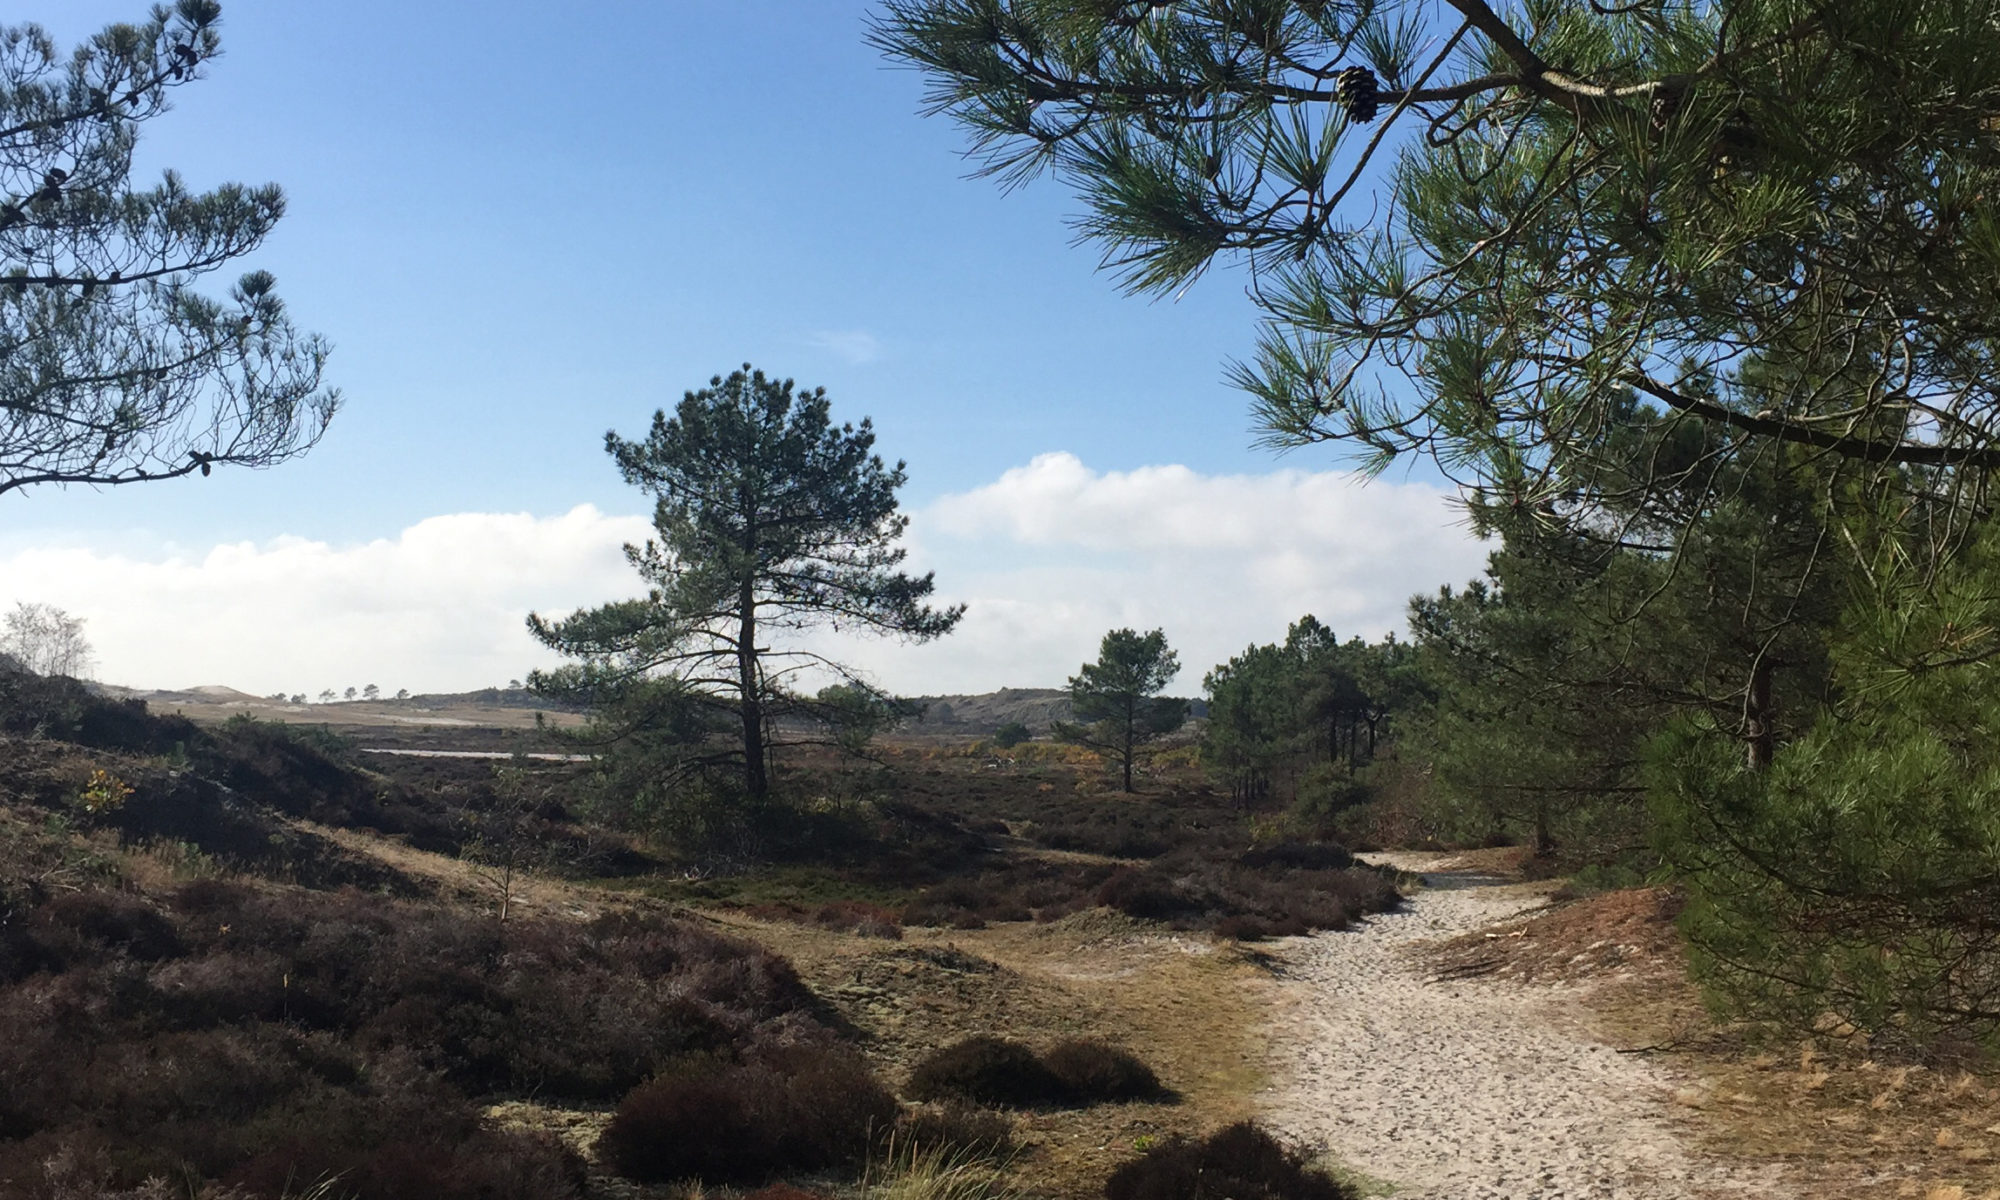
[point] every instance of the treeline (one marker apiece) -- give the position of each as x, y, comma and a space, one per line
1297, 719
1764, 678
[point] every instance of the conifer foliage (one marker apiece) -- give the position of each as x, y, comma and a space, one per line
1556, 205
1116, 695
771, 520
113, 369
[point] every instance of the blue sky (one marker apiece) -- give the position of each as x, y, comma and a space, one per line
521, 225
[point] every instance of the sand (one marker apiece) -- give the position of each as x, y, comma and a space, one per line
1474, 1089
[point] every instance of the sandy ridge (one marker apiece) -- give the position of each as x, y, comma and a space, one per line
1473, 1089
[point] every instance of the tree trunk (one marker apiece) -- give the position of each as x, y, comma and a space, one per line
755, 780
1131, 719
1758, 731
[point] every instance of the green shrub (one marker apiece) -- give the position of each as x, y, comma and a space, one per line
1010, 735
1855, 880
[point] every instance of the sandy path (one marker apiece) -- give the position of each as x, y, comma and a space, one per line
1473, 1089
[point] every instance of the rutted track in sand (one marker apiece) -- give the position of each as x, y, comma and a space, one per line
1473, 1089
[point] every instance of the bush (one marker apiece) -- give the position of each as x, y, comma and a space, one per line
1147, 895
800, 1108
1276, 891
1304, 856
1091, 1071
1855, 881
986, 1069
1010, 735
1126, 833
955, 1127
990, 1070
1239, 1162
246, 1034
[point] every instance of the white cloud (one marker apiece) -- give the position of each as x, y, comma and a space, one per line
855, 346
1049, 557
1053, 554
440, 606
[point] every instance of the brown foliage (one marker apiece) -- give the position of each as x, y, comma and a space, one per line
991, 1070
249, 1034
986, 1069
1091, 1071
955, 1127
709, 1118
1239, 1162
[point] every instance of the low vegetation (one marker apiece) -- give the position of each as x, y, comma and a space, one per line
1075, 1072
207, 984
1238, 1162
248, 1034
777, 1110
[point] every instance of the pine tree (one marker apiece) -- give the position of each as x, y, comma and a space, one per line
113, 369
771, 520
1858, 875
1116, 695
1479, 232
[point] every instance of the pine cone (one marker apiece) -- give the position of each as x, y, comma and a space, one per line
1356, 88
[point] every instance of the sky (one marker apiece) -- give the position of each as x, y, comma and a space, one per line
521, 226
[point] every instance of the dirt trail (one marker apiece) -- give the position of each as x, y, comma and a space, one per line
1473, 1089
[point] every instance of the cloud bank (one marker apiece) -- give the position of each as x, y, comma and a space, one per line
1053, 554
1048, 557
441, 606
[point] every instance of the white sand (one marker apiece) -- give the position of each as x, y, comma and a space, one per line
1476, 1089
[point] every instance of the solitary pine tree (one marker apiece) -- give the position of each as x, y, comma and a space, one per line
113, 369
1116, 696
771, 519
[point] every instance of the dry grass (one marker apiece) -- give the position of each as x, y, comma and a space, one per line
1844, 1125
1190, 1004
935, 1173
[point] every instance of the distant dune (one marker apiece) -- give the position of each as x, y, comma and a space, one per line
1037, 708
964, 715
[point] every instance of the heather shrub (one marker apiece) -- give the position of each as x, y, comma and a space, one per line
709, 1118
1119, 832
1239, 1162
955, 1127
1283, 889
245, 1034
1146, 894
87, 922
483, 1164
1308, 856
842, 916
783, 1191
1091, 1071
986, 1069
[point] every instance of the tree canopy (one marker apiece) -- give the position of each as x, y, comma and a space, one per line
1280, 711
771, 520
1488, 233
46, 640
1115, 697
113, 368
